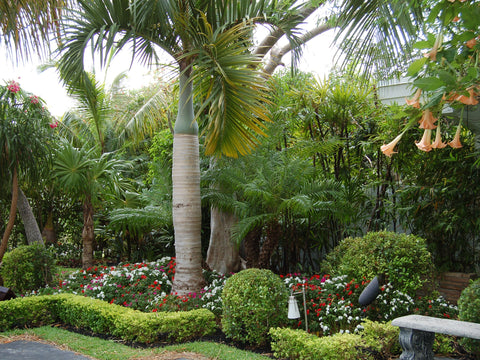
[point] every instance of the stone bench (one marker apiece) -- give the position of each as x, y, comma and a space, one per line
417, 334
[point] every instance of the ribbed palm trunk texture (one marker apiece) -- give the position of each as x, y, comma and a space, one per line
87, 234
187, 215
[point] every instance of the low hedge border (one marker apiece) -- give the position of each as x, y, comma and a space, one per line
376, 340
103, 318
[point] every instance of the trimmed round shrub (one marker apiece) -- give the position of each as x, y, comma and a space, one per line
27, 268
402, 259
254, 300
469, 310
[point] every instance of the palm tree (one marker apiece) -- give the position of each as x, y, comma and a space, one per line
208, 41
86, 175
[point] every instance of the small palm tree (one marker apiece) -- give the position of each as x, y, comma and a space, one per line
87, 175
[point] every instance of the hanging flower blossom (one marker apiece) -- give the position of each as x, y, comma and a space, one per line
432, 54
13, 86
54, 125
415, 101
468, 100
425, 143
427, 121
455, 143
388, 148
438, 144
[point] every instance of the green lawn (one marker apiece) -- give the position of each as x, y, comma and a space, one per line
111, 350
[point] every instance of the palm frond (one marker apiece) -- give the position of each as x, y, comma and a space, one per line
373, 30
27, 26
231, 92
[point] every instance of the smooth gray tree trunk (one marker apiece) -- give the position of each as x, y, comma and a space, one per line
223, 254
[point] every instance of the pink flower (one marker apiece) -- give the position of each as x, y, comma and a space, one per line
455, 143
388, 148
34, 99
468, 100
425, 143
427, 121
13, 86
54, 125
415, 101
438, 144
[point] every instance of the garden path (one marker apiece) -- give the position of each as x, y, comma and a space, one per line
29, 347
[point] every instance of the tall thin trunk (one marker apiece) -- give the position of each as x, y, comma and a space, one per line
87, 234
49, 231
34, 236
11, 218
187, 214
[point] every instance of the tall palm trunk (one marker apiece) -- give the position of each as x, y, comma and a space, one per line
32, 231
187, 215
87, 233
11, 218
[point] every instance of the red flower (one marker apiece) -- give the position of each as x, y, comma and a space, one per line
13, 86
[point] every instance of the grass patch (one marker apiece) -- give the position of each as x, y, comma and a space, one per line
111, 350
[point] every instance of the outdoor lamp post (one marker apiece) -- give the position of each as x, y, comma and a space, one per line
293, 312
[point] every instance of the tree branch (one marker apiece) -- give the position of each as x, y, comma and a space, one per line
277, 52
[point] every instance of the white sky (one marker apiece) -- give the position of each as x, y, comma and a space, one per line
317, 58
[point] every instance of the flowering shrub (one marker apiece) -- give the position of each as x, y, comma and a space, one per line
332, 304
143, 286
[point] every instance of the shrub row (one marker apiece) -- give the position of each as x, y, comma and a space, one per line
375, 340
104, 318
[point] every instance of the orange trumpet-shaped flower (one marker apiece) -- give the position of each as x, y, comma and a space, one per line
425, 143
438, 144
468, 100
388, 148
427, 121
432, 54
455, 143
471, 43
415, 101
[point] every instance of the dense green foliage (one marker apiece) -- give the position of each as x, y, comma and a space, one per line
297, 344
27, 268
403, 260
469, 310
254, 300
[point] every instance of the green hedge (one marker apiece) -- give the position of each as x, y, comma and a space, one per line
376, 340
104, 318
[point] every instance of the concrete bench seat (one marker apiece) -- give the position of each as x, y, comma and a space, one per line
417, 334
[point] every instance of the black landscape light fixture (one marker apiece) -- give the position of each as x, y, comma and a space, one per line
370, 293
6, 294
